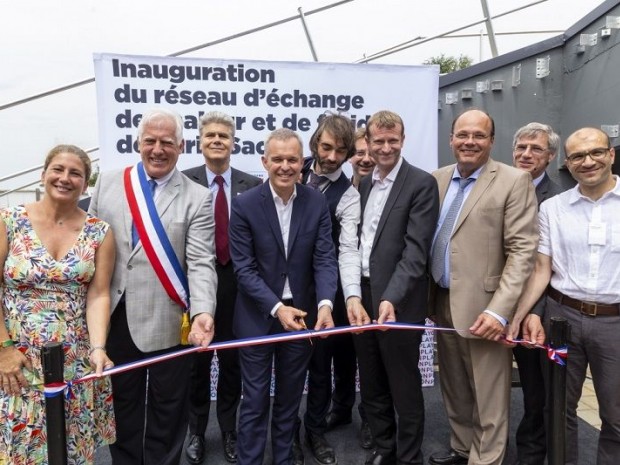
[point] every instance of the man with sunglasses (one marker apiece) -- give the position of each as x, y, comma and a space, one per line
577, 263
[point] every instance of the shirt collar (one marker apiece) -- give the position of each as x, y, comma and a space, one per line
331, 176
539, 179
391, 175
576, 195
278, 199
163, 180
211, 176
457, 175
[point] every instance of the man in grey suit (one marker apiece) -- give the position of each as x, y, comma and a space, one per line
482, 254
217, 140
534, 146
145, 321
400, 204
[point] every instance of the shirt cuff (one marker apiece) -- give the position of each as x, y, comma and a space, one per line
275, 309
352, 290
499, 318
326, 302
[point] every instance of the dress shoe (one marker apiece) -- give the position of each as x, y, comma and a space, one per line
195, 450
297, 452
375, 458
322, 452
451, 458
229, 439
333, 420
366, 440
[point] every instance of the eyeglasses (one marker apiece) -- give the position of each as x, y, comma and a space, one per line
579, 157
477, 136
537, 150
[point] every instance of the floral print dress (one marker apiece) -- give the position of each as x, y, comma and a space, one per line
44, 300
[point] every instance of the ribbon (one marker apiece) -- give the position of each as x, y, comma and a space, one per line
557, 356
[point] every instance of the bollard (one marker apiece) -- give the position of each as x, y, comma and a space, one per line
557, 374
53, 360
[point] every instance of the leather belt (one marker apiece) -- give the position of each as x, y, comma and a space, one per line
586, 308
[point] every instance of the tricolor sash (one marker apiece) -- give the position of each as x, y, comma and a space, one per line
155, 241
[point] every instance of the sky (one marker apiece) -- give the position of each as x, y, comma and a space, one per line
45, 44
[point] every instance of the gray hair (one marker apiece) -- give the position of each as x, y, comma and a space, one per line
284, 134
531, 130
155, 114
217, 117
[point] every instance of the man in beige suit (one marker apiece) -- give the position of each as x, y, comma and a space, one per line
145, 321
482, 254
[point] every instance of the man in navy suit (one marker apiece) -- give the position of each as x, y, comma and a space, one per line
283, 256
217, 139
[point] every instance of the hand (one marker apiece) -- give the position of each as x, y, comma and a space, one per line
202, 330
324, 319
12, 379
487, 327
387, 313
100, 360
508, 335
356, 313
533, 330
291, 318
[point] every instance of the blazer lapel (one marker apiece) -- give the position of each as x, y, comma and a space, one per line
297, 216
170, 192
480, 186
399, 182
269, 209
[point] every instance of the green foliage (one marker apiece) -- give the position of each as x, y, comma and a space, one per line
93, 177
448, 64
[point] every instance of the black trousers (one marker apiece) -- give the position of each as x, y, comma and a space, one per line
150, 404
229, 377
531, 435
391, 388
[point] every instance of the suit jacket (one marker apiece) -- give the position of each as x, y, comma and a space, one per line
261, 265
546, 189
401, 247
493, 245
239, 181
185, 210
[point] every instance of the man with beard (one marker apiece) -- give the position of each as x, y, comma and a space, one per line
331, 145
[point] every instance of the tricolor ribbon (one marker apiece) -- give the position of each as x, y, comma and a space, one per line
153, 235
556, 355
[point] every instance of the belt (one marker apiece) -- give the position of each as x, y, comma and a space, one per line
365, 280
587, 308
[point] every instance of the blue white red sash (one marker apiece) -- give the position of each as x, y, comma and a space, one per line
153, 236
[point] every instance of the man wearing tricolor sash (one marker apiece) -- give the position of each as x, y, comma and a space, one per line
164, 275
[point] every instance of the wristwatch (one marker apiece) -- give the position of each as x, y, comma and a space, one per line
6, 343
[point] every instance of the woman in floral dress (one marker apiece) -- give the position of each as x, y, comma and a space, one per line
57, 265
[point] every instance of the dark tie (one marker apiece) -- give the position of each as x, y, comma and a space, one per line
314, 180
134, 232
221, 223
438, 262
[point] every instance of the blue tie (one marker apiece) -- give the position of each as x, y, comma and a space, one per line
134, 232
438, 254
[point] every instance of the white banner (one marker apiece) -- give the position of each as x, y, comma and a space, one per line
261, 96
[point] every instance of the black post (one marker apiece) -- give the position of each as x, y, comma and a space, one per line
53, 360
557, 374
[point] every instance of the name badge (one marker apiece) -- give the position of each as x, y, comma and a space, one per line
597, 233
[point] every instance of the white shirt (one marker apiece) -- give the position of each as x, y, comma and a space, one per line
284, 211
161, 183
214, 187
582, 237
379, 193
348, 212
